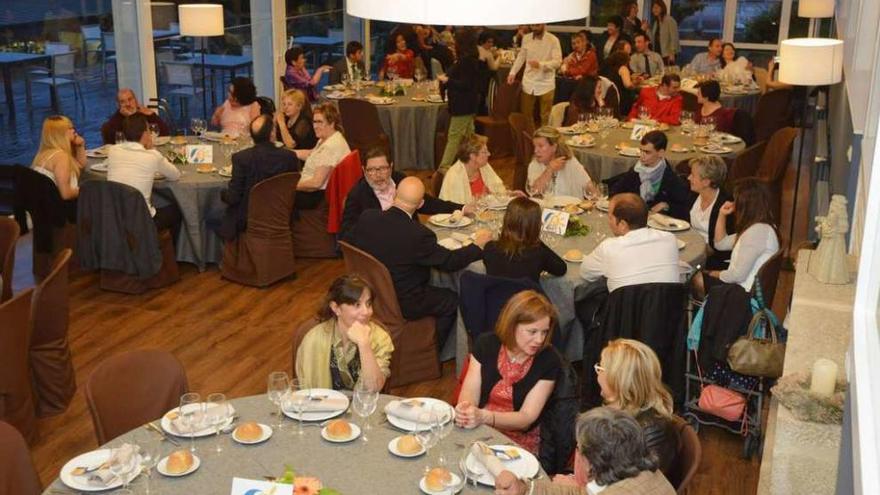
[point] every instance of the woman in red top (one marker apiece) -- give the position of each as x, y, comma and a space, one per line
512, 372
400, 62
708, 93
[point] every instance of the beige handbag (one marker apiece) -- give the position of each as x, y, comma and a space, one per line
757, 357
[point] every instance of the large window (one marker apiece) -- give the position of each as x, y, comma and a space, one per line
699, 19
757, 21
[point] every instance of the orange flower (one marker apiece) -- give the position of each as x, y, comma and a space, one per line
304, 485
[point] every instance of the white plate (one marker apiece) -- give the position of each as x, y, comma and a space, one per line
392, 447
204, 432
98, 167
455, 478
577, 210
669, 224
434, 99
499, 202
681, 244
332, 87
632, 152
89, 459
225, 172
527, 466
560, 201
578, 144
355, 432
572, 130
602, 205
99, 152
442, 220
320, 416
572, 260
429, 403
162, 140
730, 139
723, 150
163, 470
267, 433
216, 136
384, 100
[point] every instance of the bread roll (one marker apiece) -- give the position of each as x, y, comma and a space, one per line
205, 168
574, 254
249, 432
179, 462
339, 429
437, 478
408, 444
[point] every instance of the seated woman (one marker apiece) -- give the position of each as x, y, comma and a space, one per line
707, 175
616, 69
589, 96
753, 243
708, 93
471, 176
296, 76
512, 371
554, 170
737, 68
400, 62
293, 124
235, 115
347, 345
519, 252
61, 157
581, 62
320, 161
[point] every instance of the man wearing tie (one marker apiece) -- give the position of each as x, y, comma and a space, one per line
353, 62
644, 61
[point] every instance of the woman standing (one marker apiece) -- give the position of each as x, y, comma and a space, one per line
554, 170
471, 176
664, 32
297, 76
235, 115
61, 156
631, 22
293, 126
462, 86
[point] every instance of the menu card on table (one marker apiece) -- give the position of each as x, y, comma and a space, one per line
242, 486
639, 131
199, 153
554, 221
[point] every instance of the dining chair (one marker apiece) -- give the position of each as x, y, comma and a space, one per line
8, 237
63, 73
687, 457
745, 164
51, 364
743, 126
108, 52
130, 389
772, 113
50, 48
263, 254
415, 357
16, 465
16, 391
91, 41
520, 126
774, 163
182, 77
363, 129
761, 77
557, 114
495, 126
689, 101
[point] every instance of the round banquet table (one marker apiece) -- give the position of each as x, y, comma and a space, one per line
743, 99
198, 197
411, 126
352, 468
603, 161
562, 291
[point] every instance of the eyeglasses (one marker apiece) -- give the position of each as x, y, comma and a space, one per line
598, 368
376, 170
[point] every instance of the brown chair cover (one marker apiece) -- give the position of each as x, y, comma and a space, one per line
522, 129
772, 113
521, 174
441, 136
687, 459
8, 237
299, 333
362, 128
17, 473
51, 364
309, 233
495, 125
436, 183
168, 274
415, 350
16, 394
263, 254
151, 382
62, 238
745, 164
774, 163
768, 276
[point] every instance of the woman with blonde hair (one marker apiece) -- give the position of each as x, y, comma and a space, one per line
471, 176
61, 156
512, 372
554, 170
293, 123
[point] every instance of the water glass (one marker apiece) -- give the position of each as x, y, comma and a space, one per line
346, 80
443, 412
364, 402
192, 414
151, 452
278, 388
120, 137
644, 114
428, 433
300, 395
154, 131
217, 413
198, 126
472, 470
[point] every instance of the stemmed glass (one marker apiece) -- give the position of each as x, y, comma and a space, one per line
151, 451
443, 413
154, 131
277, 389
197, 126
643, 113
472, 470
120, 137
364, 403
687, 121
428, 433
122, 470
458, 479
191, 413
300, 395
217, 413
346, 80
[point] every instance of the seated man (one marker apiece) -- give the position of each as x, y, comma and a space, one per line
582, 59
663, 102
128, 105
645, 61
376, 189
135, 163
637, 254
250, 166
409, 250
709, 61
352, 64
653, 179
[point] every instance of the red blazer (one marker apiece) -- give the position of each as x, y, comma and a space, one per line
667, 111
344, 176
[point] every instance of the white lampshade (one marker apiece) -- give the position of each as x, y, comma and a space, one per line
200, 19
811, 61
816, 8
469, 12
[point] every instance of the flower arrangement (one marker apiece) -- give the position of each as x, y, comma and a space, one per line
304, 485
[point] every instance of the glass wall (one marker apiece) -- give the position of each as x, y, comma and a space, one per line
317, 26
699, 19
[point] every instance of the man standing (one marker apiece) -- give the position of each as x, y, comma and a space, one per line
127, 105
352, 64
542, 56
663, 102
709, 61
644, 61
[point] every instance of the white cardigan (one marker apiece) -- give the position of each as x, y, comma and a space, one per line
756, 245
457, 188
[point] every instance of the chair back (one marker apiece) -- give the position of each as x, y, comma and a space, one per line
505, 100
299, 333
51, 364
557, 113
247, 50
151, 381
267, 106
772, 113
743, 126
521, 129
689, 101
768, 276
521, 174
761, 77
91, 31
8, 237
385, 306
612, 95
17, 472
360, 120
16, 393
745, 163
687, 457
777, 155
269, 206
108, 41
179, 74
63, 64
436, 183
482, 297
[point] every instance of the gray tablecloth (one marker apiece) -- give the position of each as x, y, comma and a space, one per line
352, 468
748, 101
198, 197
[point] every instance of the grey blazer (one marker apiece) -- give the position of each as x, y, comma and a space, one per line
667, 44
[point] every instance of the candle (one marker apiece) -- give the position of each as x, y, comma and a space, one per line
824, 377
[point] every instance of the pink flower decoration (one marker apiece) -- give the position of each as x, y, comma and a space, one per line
304, 485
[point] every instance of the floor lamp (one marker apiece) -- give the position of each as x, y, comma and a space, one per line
808, 62
201, 20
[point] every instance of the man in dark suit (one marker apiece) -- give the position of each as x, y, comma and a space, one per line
353, 62
375, 191
409, 250
654, 180
249, 167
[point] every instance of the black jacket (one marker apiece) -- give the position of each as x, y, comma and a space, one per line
249, 167
361, 198
558, 420
726, 316
341, 67
39, 196
463, 87
673, 191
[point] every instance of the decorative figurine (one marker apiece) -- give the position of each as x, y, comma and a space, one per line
828, 262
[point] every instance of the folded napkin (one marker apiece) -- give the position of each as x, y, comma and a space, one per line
665, 220
318, 405
449, 243
484, 455
408, 410
123, 455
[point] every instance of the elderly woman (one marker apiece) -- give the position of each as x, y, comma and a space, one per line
320, 161
554, 170
471, 176
235, 115
61, 156
708, 94
611, 444
400, 62
519, 252
706, 177
512, 371
293, 126
347, 345
296, 75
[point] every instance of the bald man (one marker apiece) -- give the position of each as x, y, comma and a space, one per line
127, 104
409, 250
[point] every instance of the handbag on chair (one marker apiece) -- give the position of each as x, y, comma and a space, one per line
754, 356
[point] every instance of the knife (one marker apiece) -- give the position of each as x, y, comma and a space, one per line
152, 426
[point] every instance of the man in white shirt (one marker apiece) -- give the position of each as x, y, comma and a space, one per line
135, 163
542, 57
644, 61
637, 254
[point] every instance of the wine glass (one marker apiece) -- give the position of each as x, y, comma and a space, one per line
197, 126
346, 80
154, 131
365, 400
709, 122
278, 388
443, 412
122, 469
120, 137
217, 414
644, 114
472, 470
151, 452
427, 433
458, 480
300, 395
419, 74
191, 413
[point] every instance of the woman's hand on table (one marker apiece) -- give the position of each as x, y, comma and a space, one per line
469, 209
506, 483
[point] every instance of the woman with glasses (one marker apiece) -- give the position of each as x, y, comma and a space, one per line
471, 176
61, 156
323, 158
